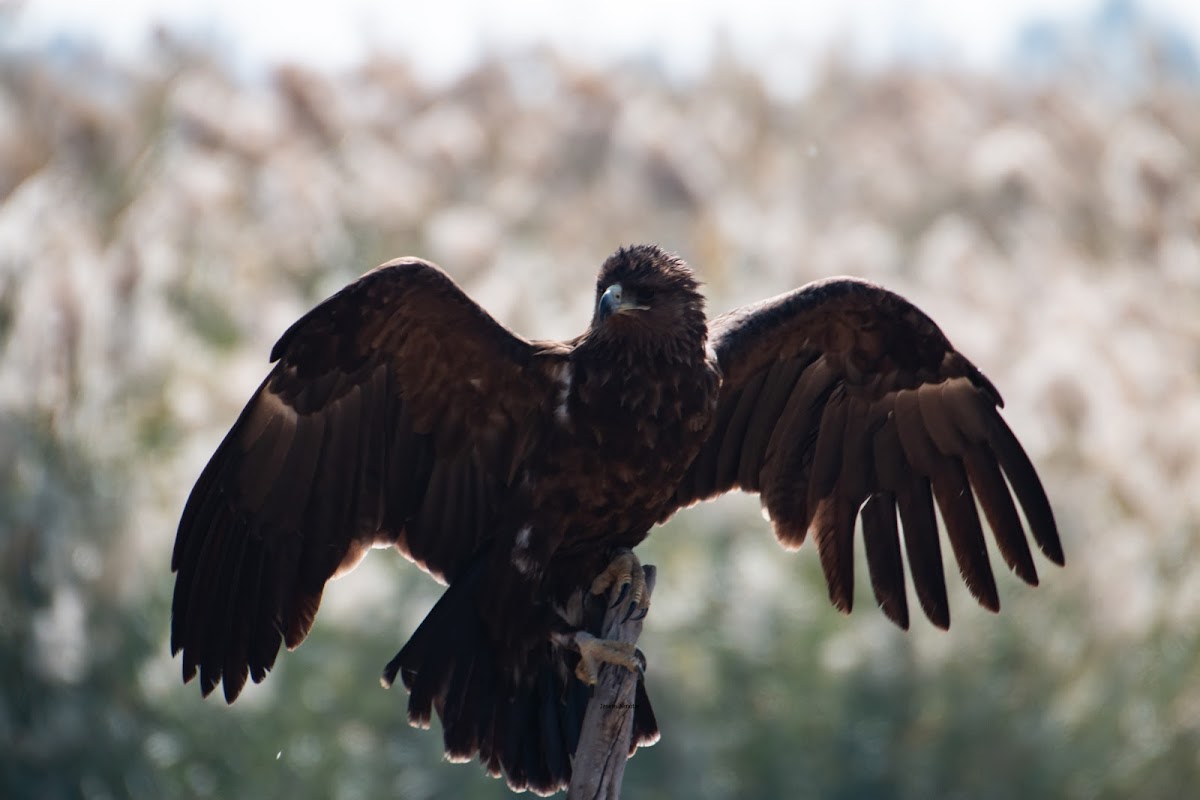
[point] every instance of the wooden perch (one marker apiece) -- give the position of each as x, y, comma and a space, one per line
603, 749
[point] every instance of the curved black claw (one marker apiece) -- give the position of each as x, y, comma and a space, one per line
622, 595
625, 574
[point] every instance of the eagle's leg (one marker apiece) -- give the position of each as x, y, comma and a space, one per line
594, 651
625, 571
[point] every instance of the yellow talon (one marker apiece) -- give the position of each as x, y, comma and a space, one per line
594, 652
625, 572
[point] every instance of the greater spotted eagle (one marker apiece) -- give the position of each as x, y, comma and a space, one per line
521, 473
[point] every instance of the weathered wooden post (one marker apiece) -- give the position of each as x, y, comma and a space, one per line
603, 748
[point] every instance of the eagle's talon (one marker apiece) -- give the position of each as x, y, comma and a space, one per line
625, 572
593, 652
624, 593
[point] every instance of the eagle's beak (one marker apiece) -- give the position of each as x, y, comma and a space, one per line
613, 301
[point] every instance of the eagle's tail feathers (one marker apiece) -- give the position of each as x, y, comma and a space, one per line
522, 719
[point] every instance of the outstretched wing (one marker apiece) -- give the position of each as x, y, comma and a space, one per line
398, 413
843, 397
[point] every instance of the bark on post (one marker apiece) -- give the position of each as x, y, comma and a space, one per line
599, 764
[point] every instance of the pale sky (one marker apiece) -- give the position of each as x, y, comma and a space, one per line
442, 36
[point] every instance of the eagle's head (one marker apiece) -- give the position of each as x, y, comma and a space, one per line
644, 292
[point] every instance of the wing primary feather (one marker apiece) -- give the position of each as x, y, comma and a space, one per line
324, 538
255, 611
1028, 489
885, 564
993, 494
201, 518
226, 593
787, 466
833, 530
192, 614
856, 477
301, 553
211, 598
957, 504
827, 455
924, 551
845, 428
235, 669
267, 632
915, 503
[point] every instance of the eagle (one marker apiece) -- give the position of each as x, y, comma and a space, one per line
521, 474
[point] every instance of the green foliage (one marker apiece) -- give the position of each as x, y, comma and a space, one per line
72, 717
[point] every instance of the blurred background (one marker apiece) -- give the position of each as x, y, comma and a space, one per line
179, 182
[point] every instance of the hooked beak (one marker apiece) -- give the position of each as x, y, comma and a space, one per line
614, 301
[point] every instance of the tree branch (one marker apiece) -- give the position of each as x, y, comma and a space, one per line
603, 749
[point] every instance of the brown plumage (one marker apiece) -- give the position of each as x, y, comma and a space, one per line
400, 413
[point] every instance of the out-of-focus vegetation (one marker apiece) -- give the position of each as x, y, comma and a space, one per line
160, 225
